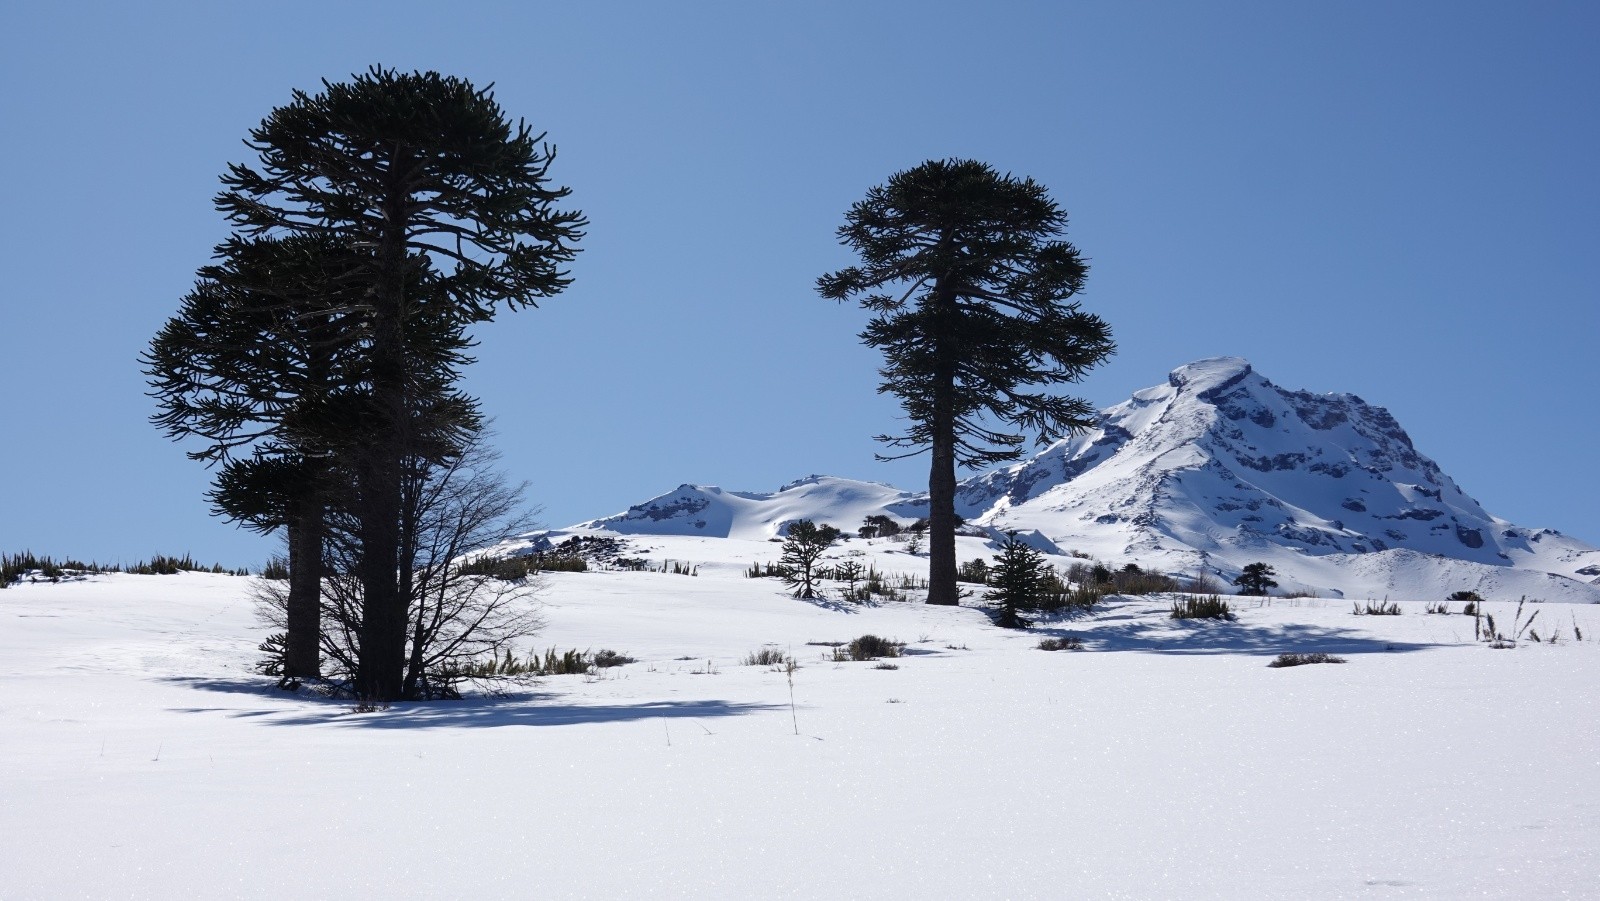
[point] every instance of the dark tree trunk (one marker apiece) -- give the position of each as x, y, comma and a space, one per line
380, 673
942, 587
302, 650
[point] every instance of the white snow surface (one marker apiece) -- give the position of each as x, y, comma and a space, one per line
140, 757
1211, 471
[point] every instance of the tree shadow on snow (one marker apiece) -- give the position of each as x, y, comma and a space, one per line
522, 708
1119, 631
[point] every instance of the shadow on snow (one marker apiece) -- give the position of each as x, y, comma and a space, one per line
519, 709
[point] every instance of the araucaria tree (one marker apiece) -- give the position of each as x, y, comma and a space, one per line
972, 289
1256, 579
801, 550
443, 214
1017, 578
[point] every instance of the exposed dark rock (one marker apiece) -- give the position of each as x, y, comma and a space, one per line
1351, 503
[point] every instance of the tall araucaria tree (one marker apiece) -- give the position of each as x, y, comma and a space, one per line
972, 289
403, 169
252, 365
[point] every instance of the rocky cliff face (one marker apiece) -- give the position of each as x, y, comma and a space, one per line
1220, 467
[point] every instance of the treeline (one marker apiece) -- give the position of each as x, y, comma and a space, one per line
14, 566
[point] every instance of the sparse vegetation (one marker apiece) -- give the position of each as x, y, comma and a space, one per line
1303, 659
1441, 607
1205, 607
13, 567
766, 656
1377, 608
1064, 643
869, 647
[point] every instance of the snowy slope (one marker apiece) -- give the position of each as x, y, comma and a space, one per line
1213, 470
1219, 468
713, 512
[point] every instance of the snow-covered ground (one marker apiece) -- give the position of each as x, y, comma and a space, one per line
141, 757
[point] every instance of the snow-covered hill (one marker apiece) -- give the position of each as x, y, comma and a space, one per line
1214, 469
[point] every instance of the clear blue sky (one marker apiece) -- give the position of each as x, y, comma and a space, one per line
1400, 200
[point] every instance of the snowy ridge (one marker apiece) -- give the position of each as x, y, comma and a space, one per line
714, 512
1214, 469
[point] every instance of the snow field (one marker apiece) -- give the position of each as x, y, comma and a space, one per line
140, 757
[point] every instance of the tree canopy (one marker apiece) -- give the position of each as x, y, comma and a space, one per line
972, 290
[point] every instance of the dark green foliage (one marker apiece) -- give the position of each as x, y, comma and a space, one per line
974, 571
1468, 596
437, 212
605, 659
1303, 659
1100, 574
572, 662
971, 287
879, 526
1065, 643
869, 647
1256, 579
1016, 577
767, 570
1377, 608
802, 548
13, 566
276, 568
1212, 607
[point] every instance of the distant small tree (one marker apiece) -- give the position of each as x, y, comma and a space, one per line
850, 572
801, 550
975, 571
1256, 579
1018, 577
882, 526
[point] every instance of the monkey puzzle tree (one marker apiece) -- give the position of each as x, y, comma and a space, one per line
1256, 579
972, 290
802, 548
405, 171
250, 365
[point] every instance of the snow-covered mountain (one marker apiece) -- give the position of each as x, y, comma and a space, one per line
1213, 470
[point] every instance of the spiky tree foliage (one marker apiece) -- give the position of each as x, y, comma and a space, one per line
1018, 580
972, 289
265, 364
1256, 579
253, 366
402, 170
802, 548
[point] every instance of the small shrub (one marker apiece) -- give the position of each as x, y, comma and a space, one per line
1303, 659
1470, 597
1211, 607
1378, 608
1441, 607
1470, 610
1065, 643
767, 656
605, 659
871, 647
886, 666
